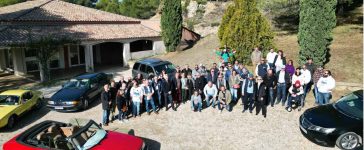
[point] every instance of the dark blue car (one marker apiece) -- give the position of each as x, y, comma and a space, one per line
78, 92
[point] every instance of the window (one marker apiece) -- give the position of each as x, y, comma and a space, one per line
141, 45
32, 65
30, 53
76, 55
136, 66
54, 63
149, 70
142, 68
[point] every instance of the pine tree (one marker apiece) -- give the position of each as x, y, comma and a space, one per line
244, 28
317, 19
171, 24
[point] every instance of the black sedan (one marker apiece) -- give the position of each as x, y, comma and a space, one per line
340, 123
78, 92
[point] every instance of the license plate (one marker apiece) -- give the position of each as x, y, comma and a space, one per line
58, 107
303, 129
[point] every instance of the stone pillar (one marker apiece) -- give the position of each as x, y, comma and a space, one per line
2, 60
18, 61
89, 59
126, 54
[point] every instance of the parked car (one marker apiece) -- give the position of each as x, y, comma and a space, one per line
15, 103
340, 123
65, 136
153, 66
78, 92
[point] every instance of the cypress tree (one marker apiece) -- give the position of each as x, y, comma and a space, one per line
317, 19
244, 28
171, 24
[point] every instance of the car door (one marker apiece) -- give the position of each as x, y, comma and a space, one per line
149, 70
93, 91
142, 70
135, 70
23, 104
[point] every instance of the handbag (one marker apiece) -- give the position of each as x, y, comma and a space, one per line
236, 86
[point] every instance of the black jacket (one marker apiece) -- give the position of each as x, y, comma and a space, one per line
105, 100
187, 71
167, 86
189, 84
270, 81
212, 79
200, 83
261, 92
287, 78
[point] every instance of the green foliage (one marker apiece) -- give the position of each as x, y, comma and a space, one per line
171, 24
142, 9
9, 2
317, 19
87, 3
243, 27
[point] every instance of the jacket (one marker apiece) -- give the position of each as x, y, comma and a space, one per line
227, 96
261, 69
234, 80
105, 99
220, 83
261, 92
212, 78
270, 81
326, 85
167, 86
245, 85
256, 56
200, 83
306, 76
287, 78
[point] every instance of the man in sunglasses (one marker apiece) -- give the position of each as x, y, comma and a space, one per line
325, 86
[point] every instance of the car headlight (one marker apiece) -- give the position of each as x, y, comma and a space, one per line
51, 102
321, 129
71, 103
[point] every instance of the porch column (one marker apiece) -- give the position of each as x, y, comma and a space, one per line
126, 54
2, 60
18, 62
89, 58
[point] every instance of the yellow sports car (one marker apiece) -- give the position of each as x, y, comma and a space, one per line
15, 103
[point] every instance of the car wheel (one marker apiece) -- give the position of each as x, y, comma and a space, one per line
11, 122
85, 104
38, 105
348, 141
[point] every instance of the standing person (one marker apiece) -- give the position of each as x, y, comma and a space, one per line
262, 68
105, 100
178, 69
310, 66
279, 61
244, 73
248, 93
271, 84
139, 78
290, 68
113, 91
319, 72
212, 76
148, 93
167, 92
270, 57
184, 88
190, 85
225, 54
177, 91
215, 68
228, 74
224, 99
196, 101
236, 65
121, 101
298, 76
283, 81
256, 56
261, 98
221, 81
296, 91
186, 70
306, 82
200, 83
157, 86
121, 81
195, 72
136, 96
325, 85
210, 92
234, 83
202, 70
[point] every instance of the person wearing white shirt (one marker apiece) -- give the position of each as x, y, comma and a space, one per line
136, 95
279, 61
270, 57
306, 82
210, 92
297, 76
325, 85
148, 93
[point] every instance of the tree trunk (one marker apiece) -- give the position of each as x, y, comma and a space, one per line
44, 72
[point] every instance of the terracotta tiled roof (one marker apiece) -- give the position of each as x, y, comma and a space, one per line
82, 32
56, 10
59, 19
152, 24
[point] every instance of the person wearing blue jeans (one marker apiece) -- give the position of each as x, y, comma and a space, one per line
106, 102
210, 92
307, 82
234, 83
196, 101
136, 95
148, 96
283, 79
270, 81
157, 86
325, 86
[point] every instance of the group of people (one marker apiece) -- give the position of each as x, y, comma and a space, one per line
272, 82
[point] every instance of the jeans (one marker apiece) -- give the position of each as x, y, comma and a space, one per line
105, 116
281, 93
316, 94
121, 115
221, 106
271, 96
306, 90
151, 102
159, 97
323, 98
197, 106
234, 93
184, 95
136, 108
168, 99
248, 101
208, 98
297, 99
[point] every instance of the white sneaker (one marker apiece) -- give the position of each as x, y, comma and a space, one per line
121, 121
126, 120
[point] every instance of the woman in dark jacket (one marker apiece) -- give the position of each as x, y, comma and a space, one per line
261, 97
121, 103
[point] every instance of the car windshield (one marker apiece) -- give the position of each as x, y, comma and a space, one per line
168, 67
8, 99
351, 105
77, 83
88, 136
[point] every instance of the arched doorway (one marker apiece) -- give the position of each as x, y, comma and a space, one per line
108, 54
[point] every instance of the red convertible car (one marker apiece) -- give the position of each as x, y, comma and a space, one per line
57, 135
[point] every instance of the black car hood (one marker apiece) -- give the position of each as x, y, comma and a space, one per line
68, 94
327, 116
